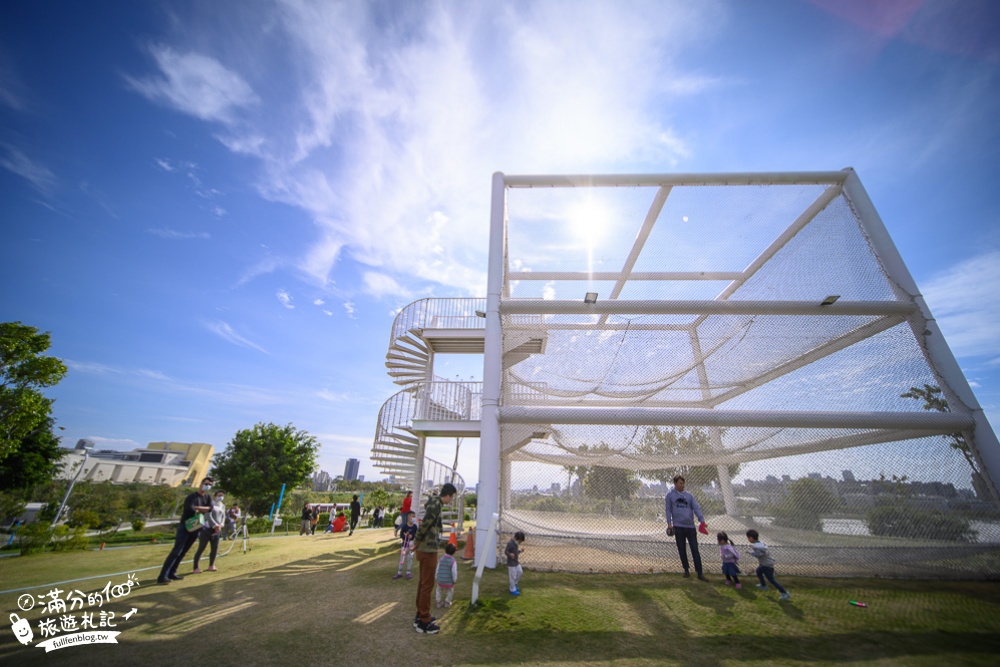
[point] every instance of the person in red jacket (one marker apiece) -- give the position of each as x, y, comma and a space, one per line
404, 511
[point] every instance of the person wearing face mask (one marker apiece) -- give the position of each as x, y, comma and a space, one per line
211, 533
199, 501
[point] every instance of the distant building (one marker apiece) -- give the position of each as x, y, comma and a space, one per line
161, 463
321, 481
351, 469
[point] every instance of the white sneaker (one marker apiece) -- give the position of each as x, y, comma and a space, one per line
785, 596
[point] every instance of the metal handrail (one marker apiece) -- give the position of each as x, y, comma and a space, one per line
439, 314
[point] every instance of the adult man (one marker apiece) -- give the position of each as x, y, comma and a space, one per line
425, 544
355, 513
199, 501
681, 508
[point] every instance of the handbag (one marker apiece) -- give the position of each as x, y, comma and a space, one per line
195, 523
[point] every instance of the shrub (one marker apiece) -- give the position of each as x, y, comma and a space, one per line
898, 520
138, 525
66, 540
85, 518
33, 537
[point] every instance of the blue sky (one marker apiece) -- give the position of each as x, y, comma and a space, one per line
218, 208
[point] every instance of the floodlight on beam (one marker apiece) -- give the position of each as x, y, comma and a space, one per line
480, 313
830, 300
590, 297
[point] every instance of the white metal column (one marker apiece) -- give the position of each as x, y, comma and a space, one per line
714, 433
489, 439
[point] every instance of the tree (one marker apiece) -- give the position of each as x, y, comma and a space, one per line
607, 483
933, 400
670, 442
34, 462
24, 372
807, 500
257, 461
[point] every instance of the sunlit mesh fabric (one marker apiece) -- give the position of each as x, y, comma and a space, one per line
890, 498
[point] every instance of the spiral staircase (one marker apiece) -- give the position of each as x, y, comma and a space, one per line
428, 406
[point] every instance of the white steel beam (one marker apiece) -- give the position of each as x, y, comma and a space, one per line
705, 307
932, 422
614, 275
740, 456
652, 180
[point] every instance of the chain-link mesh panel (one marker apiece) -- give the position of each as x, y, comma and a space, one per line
883, 493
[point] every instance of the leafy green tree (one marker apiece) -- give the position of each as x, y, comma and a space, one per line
257, 461
24, 372
806, 502
35, 461
670, 442
894, 516
377, 497
604, 482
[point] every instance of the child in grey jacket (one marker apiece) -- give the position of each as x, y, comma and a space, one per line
762, 553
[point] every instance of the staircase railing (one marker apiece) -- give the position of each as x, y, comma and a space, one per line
439, 314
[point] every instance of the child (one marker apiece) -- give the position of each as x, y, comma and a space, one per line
766, 568
406, 555
446, 576
729, 557
513, 563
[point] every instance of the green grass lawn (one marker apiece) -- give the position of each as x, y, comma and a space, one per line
330, 601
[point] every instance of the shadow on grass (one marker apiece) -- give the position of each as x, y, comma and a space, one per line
343, 607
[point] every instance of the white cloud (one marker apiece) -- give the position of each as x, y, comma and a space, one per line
224, 331
195, 84
167, 233
351, 309
91, 367
318, 302
286, 299
379, 285
964, 303
387, 138
37, 174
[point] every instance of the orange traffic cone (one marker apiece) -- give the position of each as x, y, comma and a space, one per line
453, 539
470, 546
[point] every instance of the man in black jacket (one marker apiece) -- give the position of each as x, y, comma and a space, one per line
199, 501
355, 514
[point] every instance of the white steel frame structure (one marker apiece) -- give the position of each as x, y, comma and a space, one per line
966, 416
772, 331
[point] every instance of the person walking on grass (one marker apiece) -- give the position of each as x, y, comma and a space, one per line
765, 568
681, 509
425, 544
199, 501
210, 534
512, 552
447, 576
306, 520
729, 556
408, 532
355, 514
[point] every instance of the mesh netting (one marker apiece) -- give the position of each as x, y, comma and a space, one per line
886, 496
